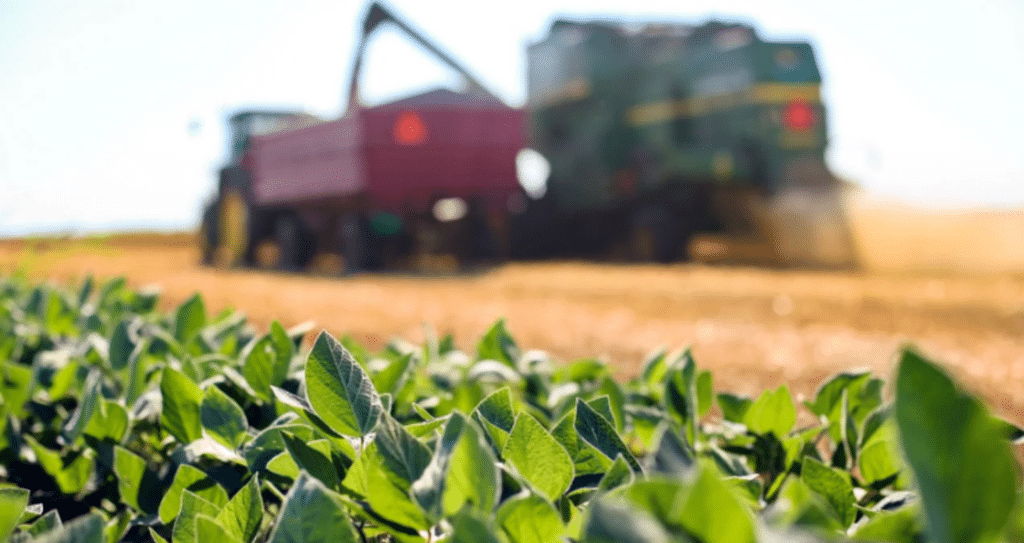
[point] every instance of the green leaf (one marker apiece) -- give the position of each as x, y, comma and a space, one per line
339, 390
44, 524
222, 418
192, 479
877, 462
962, 464
496, 415
13, 502
497, 409
267, 361
734, 408
586, 458
84, 529
833, 485
181, 406
189, 319
538, 457
133, 482
312, 514
611, 522
773, 412
16, 387
497, 344
705, 392
83, 414
208, 529
71, 472
109, 423
311, 460
900, 526
471, 527
530, 519
598, 432
242, 515
156, 537
618, 475
386, 493
403, 454
121, 347
185, 525
393, 378
727, 521
462, 472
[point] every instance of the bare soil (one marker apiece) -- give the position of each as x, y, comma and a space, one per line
755, 328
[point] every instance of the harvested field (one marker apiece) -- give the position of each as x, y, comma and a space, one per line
754, 327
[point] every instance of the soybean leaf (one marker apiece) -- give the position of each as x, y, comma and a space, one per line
471, 527
109, 422
734, 408
222, 418
834, 485
208, 529
727, 521
194, 480
12, 503
84, 529
394, 377
46, 523
404, 455
189, 319
610, 522
877, 462
900, 526
462, 472
962, 464
386, 494
618, 475
71, 472
121, 347
497, 409
538, 457
181, 406
586, 458
311, 460
133, 481
705, 392
339, 390
16, 387
530, 519
265, 365
242, 515
598, 432
88, 405
773, 413
497, 344
185, 525
312, 514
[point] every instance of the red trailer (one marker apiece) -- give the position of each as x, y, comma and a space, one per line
430, 173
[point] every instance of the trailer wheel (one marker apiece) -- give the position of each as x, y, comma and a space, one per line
294, 246
655, 233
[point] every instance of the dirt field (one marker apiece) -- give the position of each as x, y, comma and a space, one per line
753, 327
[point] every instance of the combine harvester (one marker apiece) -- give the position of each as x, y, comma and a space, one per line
664, 142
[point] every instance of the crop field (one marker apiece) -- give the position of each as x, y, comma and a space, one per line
755, 328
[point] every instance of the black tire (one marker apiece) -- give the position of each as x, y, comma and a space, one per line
208, 235
295, 245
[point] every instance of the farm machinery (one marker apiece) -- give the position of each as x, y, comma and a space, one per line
665, 142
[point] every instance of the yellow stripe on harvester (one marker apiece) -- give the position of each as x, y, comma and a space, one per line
761, 94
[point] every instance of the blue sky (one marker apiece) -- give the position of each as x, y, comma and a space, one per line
112, 111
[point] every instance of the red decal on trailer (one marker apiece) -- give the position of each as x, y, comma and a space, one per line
409, 129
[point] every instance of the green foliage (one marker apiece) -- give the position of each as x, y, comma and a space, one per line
122, 423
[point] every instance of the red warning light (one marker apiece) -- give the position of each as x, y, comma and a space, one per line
409, 129
799, 116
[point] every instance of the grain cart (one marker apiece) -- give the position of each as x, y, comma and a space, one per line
669, 141
430, 173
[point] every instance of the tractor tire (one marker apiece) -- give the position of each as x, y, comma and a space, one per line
233, 232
